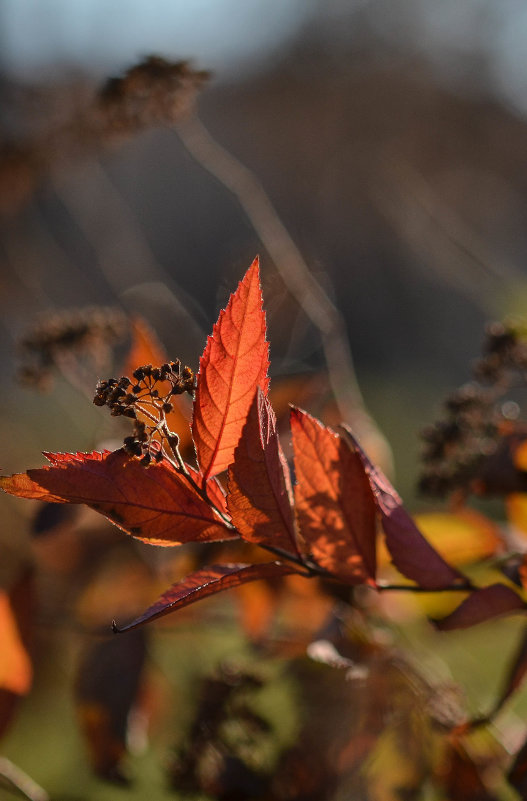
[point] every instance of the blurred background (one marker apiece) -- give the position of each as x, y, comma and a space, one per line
390, 139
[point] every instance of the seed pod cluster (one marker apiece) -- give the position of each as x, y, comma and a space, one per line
459, 449
146, 397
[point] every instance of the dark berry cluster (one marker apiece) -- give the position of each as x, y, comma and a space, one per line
147, 402
504, 353
141, 443
480, 418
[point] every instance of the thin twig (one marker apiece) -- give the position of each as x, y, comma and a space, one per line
291, 266
15, 779
467, 587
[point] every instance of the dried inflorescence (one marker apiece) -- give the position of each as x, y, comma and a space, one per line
152, 93
481, 421
79, 333
149, 397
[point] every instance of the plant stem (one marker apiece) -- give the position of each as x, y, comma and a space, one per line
466, 587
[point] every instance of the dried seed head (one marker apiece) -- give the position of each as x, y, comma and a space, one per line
150, 398
86, 334
478, 417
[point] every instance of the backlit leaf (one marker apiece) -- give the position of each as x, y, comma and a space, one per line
215, 491
481, 605
155, 504
260, 494
207, 581
234, 363
334, 501
411, 553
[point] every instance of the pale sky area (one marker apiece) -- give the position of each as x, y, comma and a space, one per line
234, 37
222, 35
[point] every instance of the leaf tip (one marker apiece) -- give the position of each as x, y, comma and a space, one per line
115, 628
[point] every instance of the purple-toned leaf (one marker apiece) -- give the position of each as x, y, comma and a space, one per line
481, 605
411, 553
260, 494
207, 581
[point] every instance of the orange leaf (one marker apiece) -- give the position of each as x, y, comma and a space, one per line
155, 504
260, 494
335, 504
207, 581
15, 667
147, 349
234, 363
16, 617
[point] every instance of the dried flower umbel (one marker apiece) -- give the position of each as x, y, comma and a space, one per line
147, 399
59, 340
482, 423
81, 121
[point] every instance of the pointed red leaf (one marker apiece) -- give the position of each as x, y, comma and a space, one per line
215, 491
260, 495
205, 582
411, 553
485, 604
234, 363
155, 504
334, 500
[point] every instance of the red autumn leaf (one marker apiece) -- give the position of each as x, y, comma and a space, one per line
215, 491
147, 349
334, 501
234, 363
260, 494
485, 604
155, 504
205, 582
411, 553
